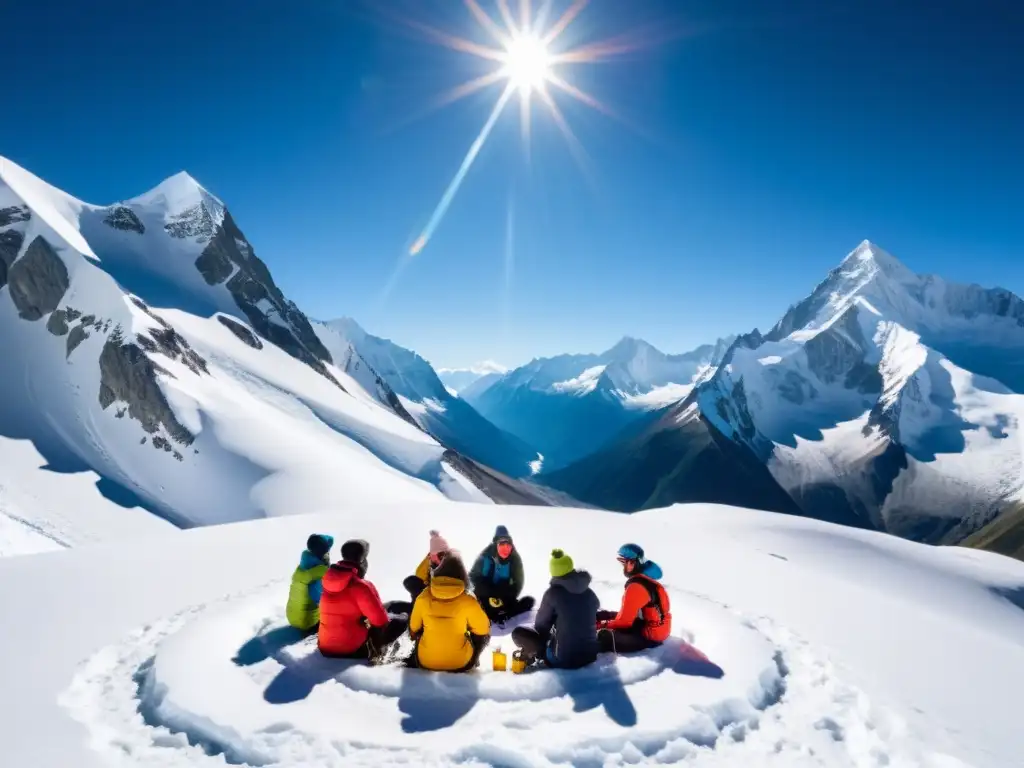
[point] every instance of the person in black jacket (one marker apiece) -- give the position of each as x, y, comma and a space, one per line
497, 577
565, 632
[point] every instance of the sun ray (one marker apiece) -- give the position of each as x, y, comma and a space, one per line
575, 147
484, 19
454, 42
467, 161
530, 68
524, 120
507, 17
580, 95
468, 88
566, 19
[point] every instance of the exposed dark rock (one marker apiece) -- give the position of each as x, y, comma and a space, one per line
73, 314
15, 214
169, 342
214, 265
127, 375
10, 244
243, 333
270, 314
58, 323
77, 336
671, 457
839, 349
38, 280
195, 222
795, 388
124, 219
161, 443
143, 440
502, 489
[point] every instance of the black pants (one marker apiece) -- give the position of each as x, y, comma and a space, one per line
530, 643
622, 640
413, 585
510, 604
377, 641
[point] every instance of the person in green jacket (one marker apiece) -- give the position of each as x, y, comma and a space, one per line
303, 609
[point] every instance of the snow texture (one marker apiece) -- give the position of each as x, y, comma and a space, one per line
818, 646
126, 413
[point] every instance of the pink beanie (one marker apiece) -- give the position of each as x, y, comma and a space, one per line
438, 543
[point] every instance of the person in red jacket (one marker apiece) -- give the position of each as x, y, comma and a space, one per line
354, 623
645, 618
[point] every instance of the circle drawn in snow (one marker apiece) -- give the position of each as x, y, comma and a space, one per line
227, 682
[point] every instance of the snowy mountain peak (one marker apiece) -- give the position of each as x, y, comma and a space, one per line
627, 348
176, 194
868, 260
348, 328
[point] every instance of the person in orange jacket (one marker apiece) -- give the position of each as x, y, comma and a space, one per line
354, 623
645, 618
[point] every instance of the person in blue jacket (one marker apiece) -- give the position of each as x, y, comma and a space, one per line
303, 609
497, 578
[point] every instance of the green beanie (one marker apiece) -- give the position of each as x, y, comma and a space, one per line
561, 563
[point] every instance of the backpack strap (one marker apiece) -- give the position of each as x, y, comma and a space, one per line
653, 594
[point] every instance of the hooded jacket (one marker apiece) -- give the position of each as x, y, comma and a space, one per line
645, 605
347, 601
565, 621
443, 618
303, 608
491, 574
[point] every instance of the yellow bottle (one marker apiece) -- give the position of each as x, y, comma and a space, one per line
500, 660
518, 662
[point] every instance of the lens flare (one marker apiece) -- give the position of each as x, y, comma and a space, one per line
529, 65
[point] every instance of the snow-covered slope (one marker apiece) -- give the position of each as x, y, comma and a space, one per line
859, 403
824, 646
396, 372
569, 406
457, 379
200, 418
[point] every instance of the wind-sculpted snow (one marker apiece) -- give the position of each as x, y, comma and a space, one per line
230, 681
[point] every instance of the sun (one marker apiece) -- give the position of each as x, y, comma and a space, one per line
529, 60
527, 63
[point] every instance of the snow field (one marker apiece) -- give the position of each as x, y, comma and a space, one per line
231, 682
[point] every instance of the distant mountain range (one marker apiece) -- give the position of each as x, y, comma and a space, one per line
884, 400
457, 379
155, 353
571, 405
422, 395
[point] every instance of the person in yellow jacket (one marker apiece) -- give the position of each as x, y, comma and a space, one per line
450, 628
303, 608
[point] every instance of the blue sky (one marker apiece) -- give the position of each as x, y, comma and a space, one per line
773, 138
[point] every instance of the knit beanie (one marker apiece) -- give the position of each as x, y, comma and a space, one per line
355, 551
320, 544
561, 564
501, 532
438, 543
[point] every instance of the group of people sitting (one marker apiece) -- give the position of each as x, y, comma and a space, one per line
451, 627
